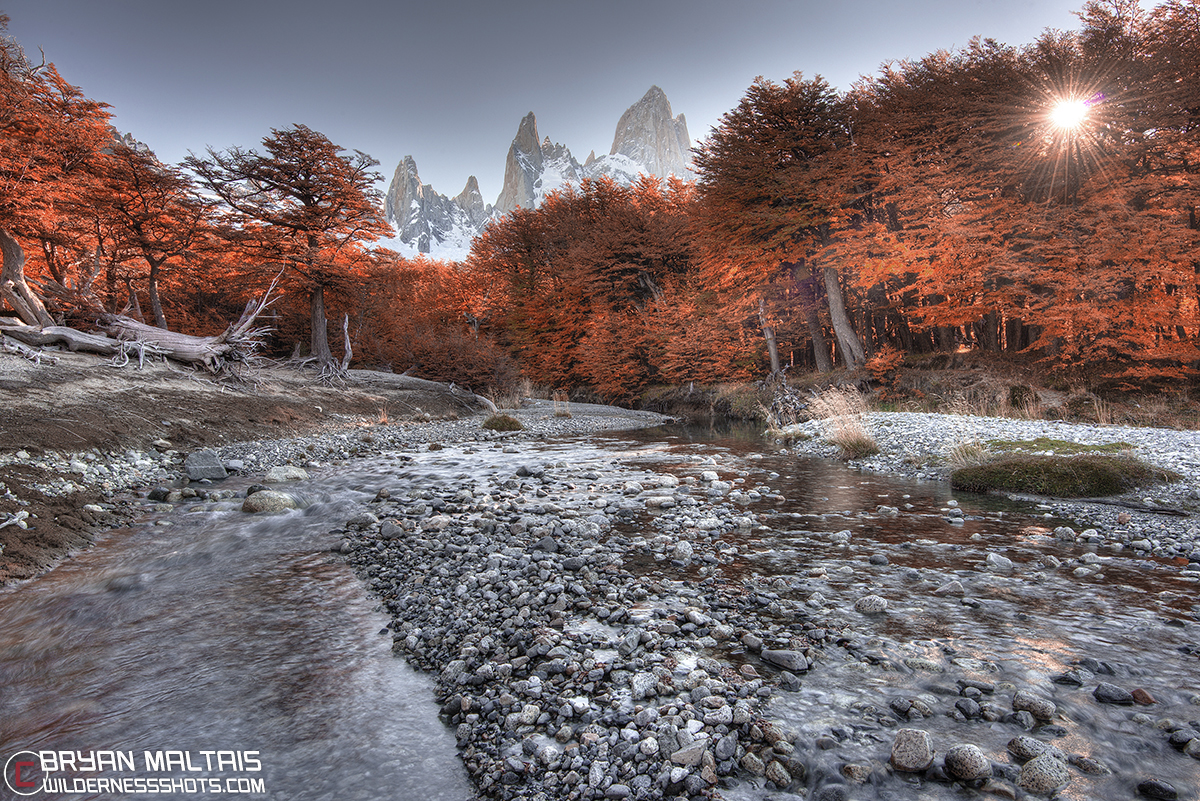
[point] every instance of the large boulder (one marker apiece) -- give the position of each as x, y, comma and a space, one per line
205, 464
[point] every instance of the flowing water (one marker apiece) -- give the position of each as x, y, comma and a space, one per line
222, 632
1136, 617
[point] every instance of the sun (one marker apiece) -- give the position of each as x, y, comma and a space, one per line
1068, 114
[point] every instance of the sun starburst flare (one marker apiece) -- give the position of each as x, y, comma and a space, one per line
1069, 114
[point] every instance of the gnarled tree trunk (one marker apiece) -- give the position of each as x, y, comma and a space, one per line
13, 287
320, 330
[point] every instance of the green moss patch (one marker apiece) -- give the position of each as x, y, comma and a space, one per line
1059, 447
1081, 476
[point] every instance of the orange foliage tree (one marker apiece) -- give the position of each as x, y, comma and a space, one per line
1015, 230
766, 212
51, 138
153, 214
586, 290
417, 316
302, 205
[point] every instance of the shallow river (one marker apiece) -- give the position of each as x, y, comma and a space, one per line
211, 631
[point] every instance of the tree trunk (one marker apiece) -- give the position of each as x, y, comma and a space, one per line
769, 336
812, 320
848, 343
13, 287
1014, 334
320, 329
155, 301
135, 307
347, 351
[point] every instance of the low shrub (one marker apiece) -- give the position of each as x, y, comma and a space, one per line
503, 422
1082, 476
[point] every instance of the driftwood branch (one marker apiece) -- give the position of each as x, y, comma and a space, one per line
216, 354
36, 356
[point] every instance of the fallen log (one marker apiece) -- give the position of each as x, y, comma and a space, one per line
72, 338
217, 354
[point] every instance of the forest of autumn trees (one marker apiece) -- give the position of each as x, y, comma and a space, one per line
940, 205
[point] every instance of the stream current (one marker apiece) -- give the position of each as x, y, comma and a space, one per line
207, 630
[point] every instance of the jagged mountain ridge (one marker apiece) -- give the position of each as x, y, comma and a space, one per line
648, 139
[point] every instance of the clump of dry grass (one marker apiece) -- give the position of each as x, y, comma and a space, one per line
561, 409
968, 454
503, 422
842, 410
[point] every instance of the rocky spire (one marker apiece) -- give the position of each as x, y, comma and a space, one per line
522, 169
648, 135
470, 200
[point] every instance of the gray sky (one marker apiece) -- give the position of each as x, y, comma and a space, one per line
448, 82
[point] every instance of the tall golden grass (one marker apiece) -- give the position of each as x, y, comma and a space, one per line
842, 411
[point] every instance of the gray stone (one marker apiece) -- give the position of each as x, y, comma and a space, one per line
1025, 748
967, 762
1157, 788
719, 717
268, 501
954, 587
629, 643
282, 473
912, 750
1107, 693
871, 605
1044, 775
726, 747
1039, 707
778, 774
690, 755
362, 520
999, 564
752, 764
643, 685
788, 660
857, 772
204, 464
